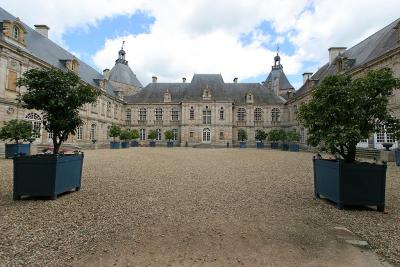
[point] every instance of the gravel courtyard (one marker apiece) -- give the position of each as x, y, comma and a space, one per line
193, 207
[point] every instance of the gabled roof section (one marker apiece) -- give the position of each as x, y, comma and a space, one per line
48, 51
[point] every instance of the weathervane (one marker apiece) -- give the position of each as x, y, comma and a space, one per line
277, 48
122, 47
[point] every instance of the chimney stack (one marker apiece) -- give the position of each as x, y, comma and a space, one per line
154, 79
106, 74
334, 52
183, 79
306, 76
235, 80
42, 29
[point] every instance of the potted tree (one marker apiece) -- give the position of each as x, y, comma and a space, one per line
125, 136
58, 95
283, 138
152, 136
274, 137
134, 137
114, 132
293, 138
169, 135
352, 111
242, 134
260, 138
17, 131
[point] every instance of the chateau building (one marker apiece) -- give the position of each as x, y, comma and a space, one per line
205, 109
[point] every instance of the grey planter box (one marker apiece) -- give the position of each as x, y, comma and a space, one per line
134, 143
115, 145
294, 147
125, 144
397, 156
152, 143
344, 183
274, 145
13, 150
242, 144
47, 175
285, 147
259, 144
170, 144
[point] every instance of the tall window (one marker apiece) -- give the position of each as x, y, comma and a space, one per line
12, 80
174, 134
175, 115
275, 114
94, 106
142, 133
159, 114
15, 32
79, 133
221, 135
92, 134
191, 113
207, 116
241, 114
206, 135
142, 114
115, 111
36, 121
108, 108
128, 115
258, 114
221, 114
158, 131
50, 136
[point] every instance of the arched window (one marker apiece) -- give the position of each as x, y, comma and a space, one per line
92, 134
36, 121
241, 114
258, 114
128, 115
159, 114
275, 114
174, 134
158, 131
206, 135
207, 116
142, 114
15, 32
142, 133
221, 114
191, 113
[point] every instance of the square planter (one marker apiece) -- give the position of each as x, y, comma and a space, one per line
115, 145
47, 175
260, 145
274, 145
294, 147
242, 144
397, 156
285, 147
152, 143
170, 144
13, 150
134, 144
344, 183
125, 144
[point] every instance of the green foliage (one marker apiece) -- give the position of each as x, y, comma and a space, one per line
282, 135
114, 131
274, 135
58, 95
152, 135
261, 135
293, 136
16, 130
125, 135
242, 134
343, 111
134, 134
169, 135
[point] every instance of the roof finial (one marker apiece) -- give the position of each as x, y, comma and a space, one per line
123, 43
277, 49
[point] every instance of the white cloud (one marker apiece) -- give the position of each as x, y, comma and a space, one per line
203, 36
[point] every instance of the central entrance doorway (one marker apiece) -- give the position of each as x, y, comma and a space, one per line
206, 135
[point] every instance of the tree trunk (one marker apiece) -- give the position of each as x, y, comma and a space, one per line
56, 145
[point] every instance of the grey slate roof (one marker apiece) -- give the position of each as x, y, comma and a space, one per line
367, 50
122, 73
276, 72
48, 51
193, 91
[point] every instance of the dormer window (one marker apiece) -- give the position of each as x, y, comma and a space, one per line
15, 32
207, 93
167, 96
249, 98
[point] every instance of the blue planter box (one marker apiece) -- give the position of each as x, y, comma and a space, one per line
134, 144
152, 143
294, 147
115, 145
274, 145
242, 144
344, 183
285, 147
13, 150
47, 175
397, 156
259, 144
125, 144
170, 144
